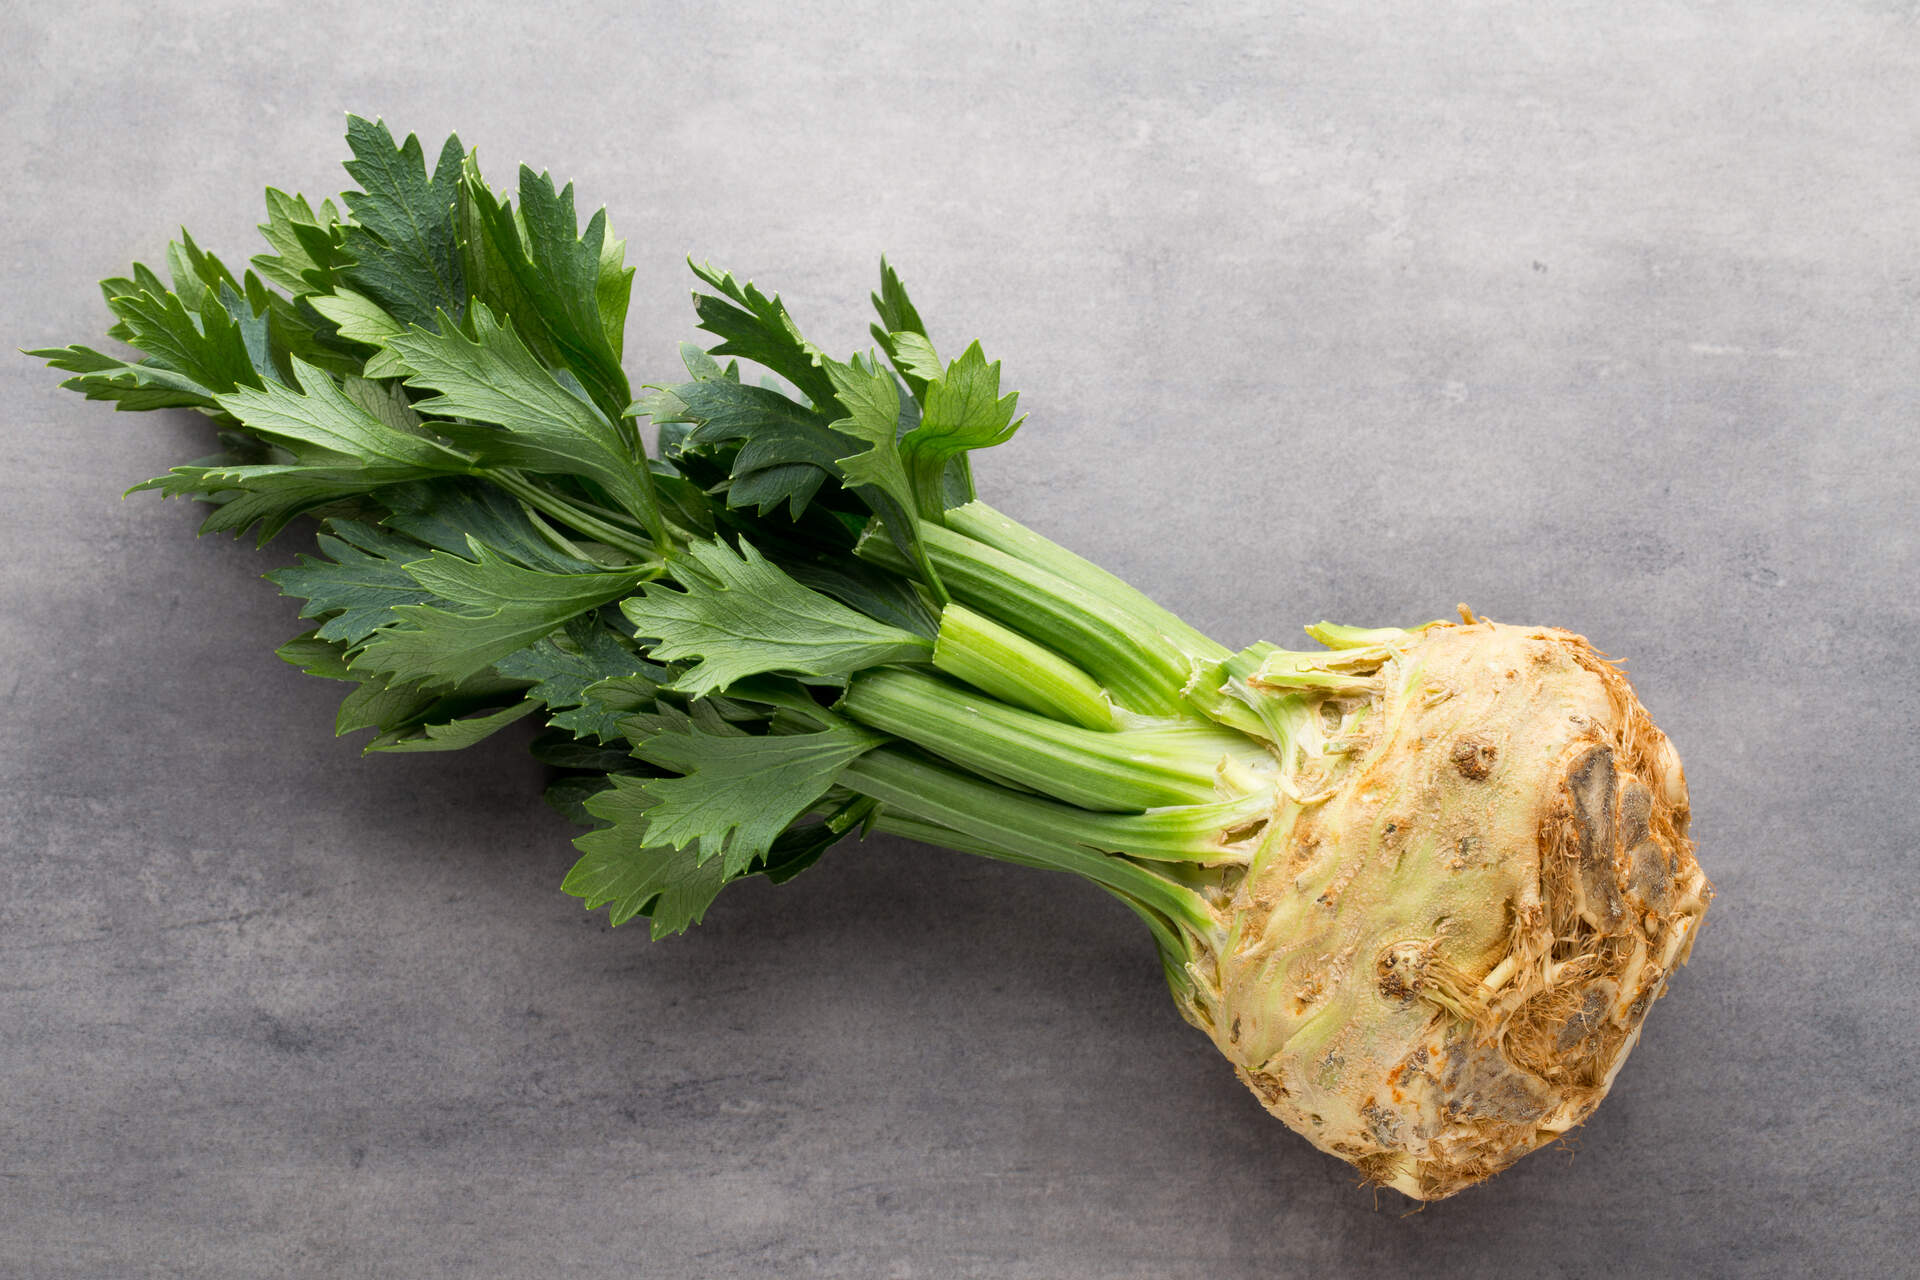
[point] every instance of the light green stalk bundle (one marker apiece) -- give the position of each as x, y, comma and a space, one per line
1419, 886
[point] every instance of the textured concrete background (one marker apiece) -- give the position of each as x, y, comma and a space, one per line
1604, 318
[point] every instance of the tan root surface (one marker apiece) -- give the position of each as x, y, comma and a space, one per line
1439, 958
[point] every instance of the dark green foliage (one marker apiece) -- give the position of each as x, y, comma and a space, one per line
432, 373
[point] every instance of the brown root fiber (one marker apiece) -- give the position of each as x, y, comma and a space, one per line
1441, 965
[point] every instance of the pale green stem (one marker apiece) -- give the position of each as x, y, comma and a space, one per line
1014, 669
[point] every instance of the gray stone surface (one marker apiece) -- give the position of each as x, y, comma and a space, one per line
1592, 314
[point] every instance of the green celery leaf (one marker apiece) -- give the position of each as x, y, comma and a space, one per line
563, 674
619, 870
568, 795
207, 288
902, 335
537, 424
686, 503
498, 607
872, 400
704, 367
143, 280
896, 310
563, 750
361, 319
793, 483
340, 451
494, 267
296, 329
253, 325
963, 410
305, 255
203, 286
316, 655
408, 717
388, 708
455, 733
586, 287
758, 328
913, 355
796, 849
356, 589
742, 616
402, 238
444, 513
754, 702
196, 273
630, 694
322, 426
386, 401
567, 289
132, 387
269, 495
787, 449
208, 347
738, 792
613, 292
882, 596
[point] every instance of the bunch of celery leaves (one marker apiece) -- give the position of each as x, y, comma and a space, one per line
792, 621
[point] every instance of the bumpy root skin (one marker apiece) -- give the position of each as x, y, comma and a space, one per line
1441, 964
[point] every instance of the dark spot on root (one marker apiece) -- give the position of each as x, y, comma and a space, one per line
1397, 971
1636, 812
1233, 1033
1382, 1123
1268, 1087
1473, 757
1588, 1018
1591, 783
1649, 881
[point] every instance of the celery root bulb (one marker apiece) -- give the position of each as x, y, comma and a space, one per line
1442, 953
